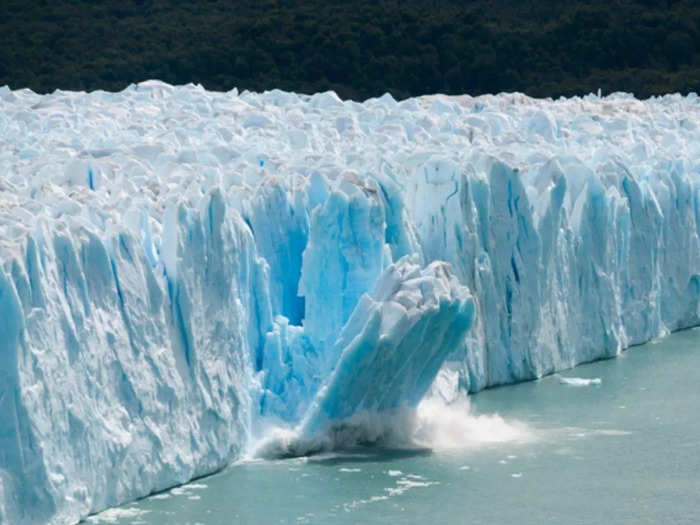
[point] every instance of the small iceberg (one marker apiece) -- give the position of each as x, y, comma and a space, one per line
580, 381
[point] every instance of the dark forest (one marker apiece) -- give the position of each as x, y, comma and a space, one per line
359, 49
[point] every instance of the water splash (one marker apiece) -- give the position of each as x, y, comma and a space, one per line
435, 424
440, 425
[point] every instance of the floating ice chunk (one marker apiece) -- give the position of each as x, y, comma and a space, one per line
404, 485
580, 381
196, 486
117, 515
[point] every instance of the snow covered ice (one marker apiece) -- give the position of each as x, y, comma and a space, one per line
180, 267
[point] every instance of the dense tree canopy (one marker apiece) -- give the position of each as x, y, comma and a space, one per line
359, 48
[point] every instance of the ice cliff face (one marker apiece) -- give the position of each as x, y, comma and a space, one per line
177, 266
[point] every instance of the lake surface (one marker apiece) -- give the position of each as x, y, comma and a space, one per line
626, 450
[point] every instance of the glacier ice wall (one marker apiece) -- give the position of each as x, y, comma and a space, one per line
119, 380
178, 265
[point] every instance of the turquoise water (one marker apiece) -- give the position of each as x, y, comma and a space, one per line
624, 451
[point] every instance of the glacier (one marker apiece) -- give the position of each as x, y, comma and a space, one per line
182, 269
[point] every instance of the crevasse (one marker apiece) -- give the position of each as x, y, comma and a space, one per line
177, 266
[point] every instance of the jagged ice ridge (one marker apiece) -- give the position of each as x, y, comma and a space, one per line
179, 267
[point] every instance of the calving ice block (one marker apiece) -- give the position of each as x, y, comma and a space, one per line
180, 268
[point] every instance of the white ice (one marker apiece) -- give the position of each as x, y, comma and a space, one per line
580, 381
180, 268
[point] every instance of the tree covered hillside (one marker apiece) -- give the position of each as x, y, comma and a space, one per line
358, 48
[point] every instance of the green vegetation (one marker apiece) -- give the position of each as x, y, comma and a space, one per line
357, 48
